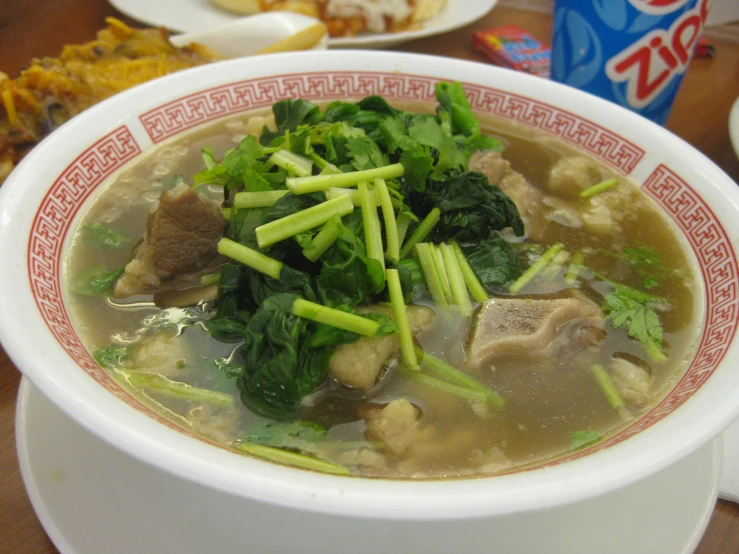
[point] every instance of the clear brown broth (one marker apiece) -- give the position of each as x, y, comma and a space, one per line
546, 399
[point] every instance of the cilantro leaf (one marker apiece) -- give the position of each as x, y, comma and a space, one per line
104, 236
288, 115
365, 153
644, 261
581, 439
113, 354
286, 434
631, 309
426, 131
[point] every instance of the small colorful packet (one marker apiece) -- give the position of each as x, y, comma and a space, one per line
513, 47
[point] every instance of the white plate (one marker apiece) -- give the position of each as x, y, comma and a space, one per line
734, 126
91, 498
196, 15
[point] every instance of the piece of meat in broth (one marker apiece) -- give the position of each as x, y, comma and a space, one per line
526, 326
603, 214
632, 381
181, 238
358, 364
570, 175
396, 425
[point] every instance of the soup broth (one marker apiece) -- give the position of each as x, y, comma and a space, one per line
556, 399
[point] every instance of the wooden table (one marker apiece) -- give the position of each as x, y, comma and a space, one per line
34, 28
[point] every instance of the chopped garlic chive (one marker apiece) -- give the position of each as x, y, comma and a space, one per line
598, 188
304, 185
335, 318
535, 268
291, 458
430, 272
400, 314
302, 221
252, 258
388, 215
476, 289
402, 222
292, 163
574, 270
371, 221
451, 373
558, 262
442, 273
423, 229
324, 239
456, 280
607, 387
259, 199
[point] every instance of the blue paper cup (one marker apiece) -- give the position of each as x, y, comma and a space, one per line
632, 52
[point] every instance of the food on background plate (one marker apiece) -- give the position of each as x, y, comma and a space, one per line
383, 291
50, 91
346, 18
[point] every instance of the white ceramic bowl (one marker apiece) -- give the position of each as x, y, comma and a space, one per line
41, 201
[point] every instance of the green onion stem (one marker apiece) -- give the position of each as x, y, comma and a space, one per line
259, 199
400, 314
607, 387
598, 188
324, 239
476, 289
423, 229
456, 280
304, 185
335, 318
535, 268
252, 258
291, 458
226, 213
388, 215
302, 221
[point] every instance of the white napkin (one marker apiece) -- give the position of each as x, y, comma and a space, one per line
728, 485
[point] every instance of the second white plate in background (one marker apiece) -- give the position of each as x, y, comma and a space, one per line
196, 15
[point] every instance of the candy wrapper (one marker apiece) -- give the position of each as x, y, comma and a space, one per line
513, 47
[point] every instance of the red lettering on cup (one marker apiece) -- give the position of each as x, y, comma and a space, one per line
648, 65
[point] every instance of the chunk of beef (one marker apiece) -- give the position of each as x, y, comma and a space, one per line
573, 174
181, 238
632, 382
395, 425
491, 163
524, 326
358, 364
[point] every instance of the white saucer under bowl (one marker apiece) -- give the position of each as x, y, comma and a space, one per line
92, 498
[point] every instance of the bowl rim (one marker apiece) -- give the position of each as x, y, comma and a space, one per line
86, 402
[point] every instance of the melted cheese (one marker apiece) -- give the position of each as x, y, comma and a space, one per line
374, 12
